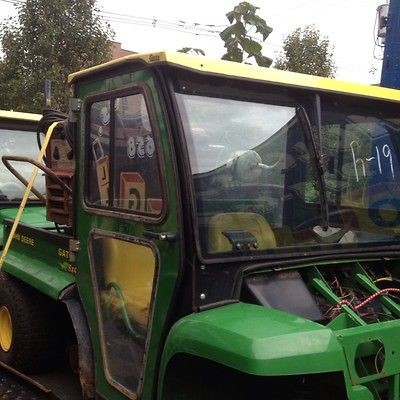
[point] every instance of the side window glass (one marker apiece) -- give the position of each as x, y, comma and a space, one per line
99, 153
124, 297
137, 184
123, 161
359, 156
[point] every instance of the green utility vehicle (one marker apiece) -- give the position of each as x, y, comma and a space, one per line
18, 137
224, 231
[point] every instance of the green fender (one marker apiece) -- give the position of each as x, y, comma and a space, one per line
256, 340
40, 258
40, 275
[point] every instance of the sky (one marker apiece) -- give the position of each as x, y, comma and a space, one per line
151, 25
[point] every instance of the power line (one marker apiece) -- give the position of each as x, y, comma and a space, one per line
159, 23
181, 26
180, 22
194, 28
177, 29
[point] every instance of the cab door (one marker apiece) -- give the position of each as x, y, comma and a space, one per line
127, 225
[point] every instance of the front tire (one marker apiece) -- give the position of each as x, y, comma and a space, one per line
28, 337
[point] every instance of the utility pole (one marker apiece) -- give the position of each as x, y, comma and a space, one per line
390, 76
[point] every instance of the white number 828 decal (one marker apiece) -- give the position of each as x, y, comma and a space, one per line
140, 146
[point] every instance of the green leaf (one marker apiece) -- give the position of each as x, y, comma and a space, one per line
227, 33
251, 47
231, 16
238, 41
226, 57
236, 55
246, 8
263, 61
232, 42
189, 50
240, 30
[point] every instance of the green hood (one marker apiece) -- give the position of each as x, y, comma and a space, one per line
257, 340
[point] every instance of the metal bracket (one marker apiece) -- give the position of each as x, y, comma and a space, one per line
74, 247
75, 104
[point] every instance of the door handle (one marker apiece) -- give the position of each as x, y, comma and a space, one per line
163, 236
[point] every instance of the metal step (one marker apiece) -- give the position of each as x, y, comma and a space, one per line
16, 386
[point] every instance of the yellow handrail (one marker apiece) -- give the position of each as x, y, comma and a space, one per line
27, 191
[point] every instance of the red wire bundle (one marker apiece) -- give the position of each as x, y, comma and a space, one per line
381, 292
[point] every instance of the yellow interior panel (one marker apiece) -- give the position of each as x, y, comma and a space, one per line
131, 266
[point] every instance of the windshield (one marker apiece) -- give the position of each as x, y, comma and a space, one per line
257, 178
18, 143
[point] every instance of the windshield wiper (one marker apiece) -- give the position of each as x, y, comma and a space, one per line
301, 114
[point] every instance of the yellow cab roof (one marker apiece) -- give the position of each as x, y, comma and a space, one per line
19, 116
246, 72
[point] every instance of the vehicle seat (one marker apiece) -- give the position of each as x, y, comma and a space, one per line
253, 223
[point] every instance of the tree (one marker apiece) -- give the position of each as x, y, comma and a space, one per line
305, 51
49, 39
240, 46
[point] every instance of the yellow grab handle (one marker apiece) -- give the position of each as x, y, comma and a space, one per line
27, 191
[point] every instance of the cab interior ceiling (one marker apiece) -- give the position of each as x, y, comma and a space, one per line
342, 295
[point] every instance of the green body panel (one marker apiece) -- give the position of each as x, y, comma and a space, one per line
386, 334
169, 253
32, 215
257, 340
25, 261
267, 342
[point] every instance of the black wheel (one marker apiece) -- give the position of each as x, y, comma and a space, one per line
28, 337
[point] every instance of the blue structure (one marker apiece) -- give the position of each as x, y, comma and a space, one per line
391, 58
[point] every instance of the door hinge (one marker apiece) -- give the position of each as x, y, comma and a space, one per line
74, 247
